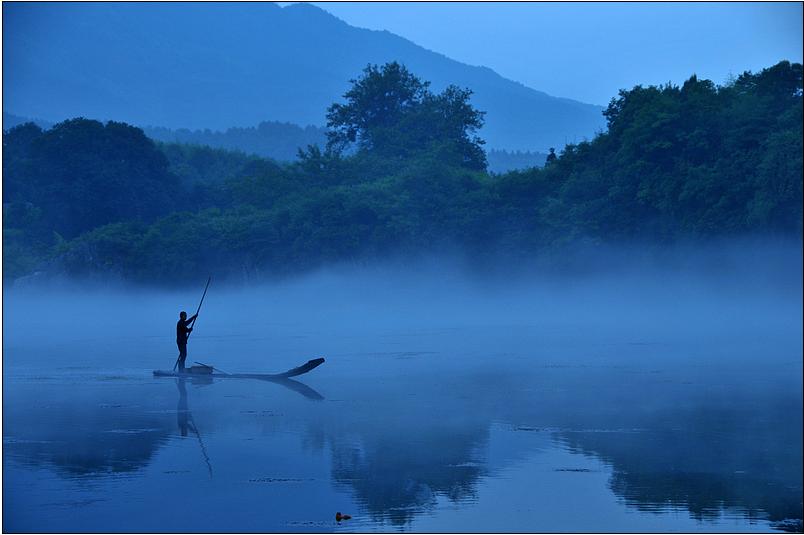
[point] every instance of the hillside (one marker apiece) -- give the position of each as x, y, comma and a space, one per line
218, 66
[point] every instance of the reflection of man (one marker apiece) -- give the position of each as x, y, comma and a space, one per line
182, 412
185, 420
183, 330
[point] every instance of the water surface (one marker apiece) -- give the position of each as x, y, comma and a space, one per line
442, 406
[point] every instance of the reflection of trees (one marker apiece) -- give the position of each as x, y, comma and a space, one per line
706, 460
96, 453
705, 495
90, 434
429, 442
740, 453
80, 436
76, 440
397, 476
100, 431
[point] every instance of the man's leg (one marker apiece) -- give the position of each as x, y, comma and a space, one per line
182, 356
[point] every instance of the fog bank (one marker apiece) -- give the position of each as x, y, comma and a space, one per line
625, 292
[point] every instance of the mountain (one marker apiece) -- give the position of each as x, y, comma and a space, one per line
221, 65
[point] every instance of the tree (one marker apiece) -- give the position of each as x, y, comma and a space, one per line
84, 173
551, 157
392, 113
17, 168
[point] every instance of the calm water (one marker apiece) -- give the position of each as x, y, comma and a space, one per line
522, 415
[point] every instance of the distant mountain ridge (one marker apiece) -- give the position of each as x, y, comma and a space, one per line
216, 66
11, 120
269, 139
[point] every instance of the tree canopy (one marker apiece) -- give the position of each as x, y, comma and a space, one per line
400, 176
393, 114
82, 174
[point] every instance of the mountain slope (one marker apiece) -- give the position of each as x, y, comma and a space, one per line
219, 65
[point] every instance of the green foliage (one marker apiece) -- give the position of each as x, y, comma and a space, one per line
197, 164
392, 113
83, 174
694, 160
402, 175
18, 162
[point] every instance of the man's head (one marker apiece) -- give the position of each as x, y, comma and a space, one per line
183, 315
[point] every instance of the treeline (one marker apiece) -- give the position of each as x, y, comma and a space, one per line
404, 171
502, 161
281, 141
269, 139
690, 161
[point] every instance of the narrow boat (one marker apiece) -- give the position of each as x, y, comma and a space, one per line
209, 371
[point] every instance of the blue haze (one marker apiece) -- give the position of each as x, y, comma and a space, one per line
220, 65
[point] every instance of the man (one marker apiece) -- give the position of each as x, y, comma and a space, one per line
182, 332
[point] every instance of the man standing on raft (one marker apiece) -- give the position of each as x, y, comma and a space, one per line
183, 330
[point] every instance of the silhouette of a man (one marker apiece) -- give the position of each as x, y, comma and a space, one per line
183, 330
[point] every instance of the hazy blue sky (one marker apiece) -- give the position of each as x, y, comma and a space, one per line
588, 51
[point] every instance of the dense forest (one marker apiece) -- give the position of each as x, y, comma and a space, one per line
404, 171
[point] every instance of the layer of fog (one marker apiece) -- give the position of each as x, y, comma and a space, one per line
729, 290
697, 348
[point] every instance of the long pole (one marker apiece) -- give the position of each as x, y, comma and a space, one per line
199, 305
196, 316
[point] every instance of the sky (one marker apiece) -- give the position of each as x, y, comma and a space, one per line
589, 51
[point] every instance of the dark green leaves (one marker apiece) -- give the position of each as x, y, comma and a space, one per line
392, 113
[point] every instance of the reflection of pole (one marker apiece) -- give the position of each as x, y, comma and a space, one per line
185, 420
203, 449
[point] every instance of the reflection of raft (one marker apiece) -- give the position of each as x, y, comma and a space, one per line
209, 371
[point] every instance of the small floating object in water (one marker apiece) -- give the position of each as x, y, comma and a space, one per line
339, 517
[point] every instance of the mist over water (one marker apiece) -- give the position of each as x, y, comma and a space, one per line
654, 391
